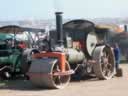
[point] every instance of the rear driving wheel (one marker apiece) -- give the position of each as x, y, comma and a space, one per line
104, 67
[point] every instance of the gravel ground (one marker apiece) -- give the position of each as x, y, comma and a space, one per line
117, 86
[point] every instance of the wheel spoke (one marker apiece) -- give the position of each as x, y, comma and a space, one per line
106, 66
57, 80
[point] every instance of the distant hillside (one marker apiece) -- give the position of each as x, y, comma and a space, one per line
51, 23
111, 20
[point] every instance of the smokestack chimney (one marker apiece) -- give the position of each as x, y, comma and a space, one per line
59, 27
125, 28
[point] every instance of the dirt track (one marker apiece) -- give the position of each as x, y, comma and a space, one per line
117, 86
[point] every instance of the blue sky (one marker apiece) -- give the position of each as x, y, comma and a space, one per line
44, 9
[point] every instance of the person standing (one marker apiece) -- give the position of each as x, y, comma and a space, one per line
117, 56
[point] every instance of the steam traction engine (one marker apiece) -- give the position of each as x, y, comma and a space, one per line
72, 49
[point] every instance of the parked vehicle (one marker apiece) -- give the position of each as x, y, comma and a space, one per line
16, 47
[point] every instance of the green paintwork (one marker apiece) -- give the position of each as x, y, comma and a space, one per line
13, 58
4, 36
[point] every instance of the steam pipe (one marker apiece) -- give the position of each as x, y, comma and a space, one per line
59, 27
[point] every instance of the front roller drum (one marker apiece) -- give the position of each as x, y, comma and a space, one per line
105, 62
46, 73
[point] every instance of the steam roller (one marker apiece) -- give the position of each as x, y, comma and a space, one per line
72, 49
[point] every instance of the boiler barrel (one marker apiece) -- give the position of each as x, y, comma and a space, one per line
74, 56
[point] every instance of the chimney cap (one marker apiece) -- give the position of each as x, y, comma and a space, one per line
58, 12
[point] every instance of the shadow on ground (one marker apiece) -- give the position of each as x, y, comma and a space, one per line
27, 85
18, 85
